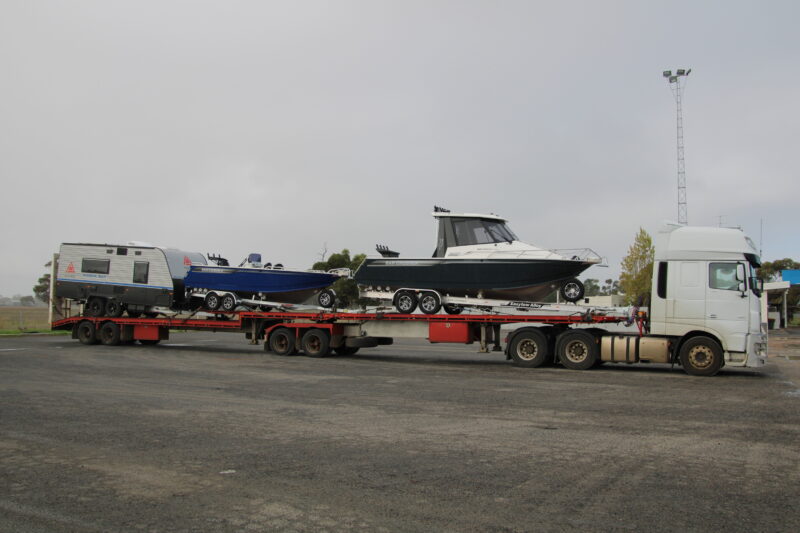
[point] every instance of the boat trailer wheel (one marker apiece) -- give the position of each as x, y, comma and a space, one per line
430, 303
406, 302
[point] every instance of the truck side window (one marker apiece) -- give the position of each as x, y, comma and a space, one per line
95, 266
662, 279
723, 276
140, 271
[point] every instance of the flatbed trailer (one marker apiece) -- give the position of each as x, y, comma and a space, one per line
317, 334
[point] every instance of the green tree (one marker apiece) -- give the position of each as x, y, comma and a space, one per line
771, 270
610, 287
592, 287
42, 287
27, 301
345, 288
637, 269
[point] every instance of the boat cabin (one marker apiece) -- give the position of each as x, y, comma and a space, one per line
469, 229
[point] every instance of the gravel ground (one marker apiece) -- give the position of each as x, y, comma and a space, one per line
208, 433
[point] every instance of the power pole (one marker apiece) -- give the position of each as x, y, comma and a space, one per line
676, 85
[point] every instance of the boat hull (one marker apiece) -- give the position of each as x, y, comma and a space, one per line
288, 286
528, 279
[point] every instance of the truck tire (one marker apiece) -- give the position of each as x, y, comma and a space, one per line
430, 303
212, 301
572, 290
326, 298
86, 333
529, 349
577, 350
405, 302
281, 342
228, 303
316, 343
114, 309
95, 307
701, 356
109, 333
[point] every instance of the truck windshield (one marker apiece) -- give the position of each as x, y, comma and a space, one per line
477, 231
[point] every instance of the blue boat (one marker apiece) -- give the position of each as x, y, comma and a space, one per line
251, 281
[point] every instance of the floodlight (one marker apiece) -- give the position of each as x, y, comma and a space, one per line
667, 73
681, 72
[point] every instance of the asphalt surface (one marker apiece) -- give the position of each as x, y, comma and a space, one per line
208, 433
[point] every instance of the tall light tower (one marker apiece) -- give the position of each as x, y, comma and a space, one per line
676, 84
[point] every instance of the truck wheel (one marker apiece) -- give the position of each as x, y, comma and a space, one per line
572, 290
701, 356
346, 350
95, 307
228, 303
86, 332
451, 309
405, 302
109, 334
114, 309
212, 301
326, 298
316, 343
281, 342
430, 303
577, 350
529, 348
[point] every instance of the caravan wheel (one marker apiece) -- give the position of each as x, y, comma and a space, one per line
95, 307
113, 308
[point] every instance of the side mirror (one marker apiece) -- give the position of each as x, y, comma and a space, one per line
742, 288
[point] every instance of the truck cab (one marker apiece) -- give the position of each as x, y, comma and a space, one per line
704, 284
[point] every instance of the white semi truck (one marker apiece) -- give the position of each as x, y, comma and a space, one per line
704, 313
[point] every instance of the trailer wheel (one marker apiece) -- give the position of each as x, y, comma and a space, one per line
346, 350
529, 349
86, 333
701, 356
109, 333
95, 307
212, 301
114, 309
316, 343
430, 303
228, 303
572, 290
281, 342
451, 309
577, 350
405, 302
326, 298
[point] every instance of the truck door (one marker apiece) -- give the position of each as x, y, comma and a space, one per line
685, 304
728, 304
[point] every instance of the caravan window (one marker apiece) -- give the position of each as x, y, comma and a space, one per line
140, 271
95, 266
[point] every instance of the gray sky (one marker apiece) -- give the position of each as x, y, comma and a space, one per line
282, 127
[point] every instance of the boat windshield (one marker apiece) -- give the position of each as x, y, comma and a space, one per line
476, 231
